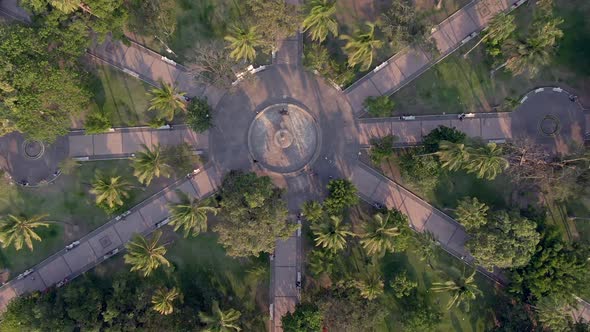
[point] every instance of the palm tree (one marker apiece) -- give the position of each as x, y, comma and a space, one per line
331, 233
361, 47
110, 190
462, 290
18, 230
370, 284
220, 321
146, 256
527, 56
243, 43
190, 214
452, 155
471, 213
487, 161
500, 28
380, 234
428, 247
320, 21
321, 261
312, 211
166, 99
150, 163
163, 300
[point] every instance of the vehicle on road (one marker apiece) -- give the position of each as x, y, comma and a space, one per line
110, 254
72, 245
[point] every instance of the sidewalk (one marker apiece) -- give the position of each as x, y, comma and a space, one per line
125, 141
405, 66
98, 245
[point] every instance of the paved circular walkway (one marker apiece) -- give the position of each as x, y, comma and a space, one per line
550, 119
29, 161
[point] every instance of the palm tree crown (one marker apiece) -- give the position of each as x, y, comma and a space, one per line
453, 156
166, 99
361, 47
243, 43
370, 284
471, 213
18, 230
163, 300
320, 21
462, 290
110, 190
487, 161
220, 321
331, 233
146, 256
380, 235
190, 214
150, 163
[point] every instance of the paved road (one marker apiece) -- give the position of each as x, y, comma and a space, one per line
113, 235
125, 141
411, 62
540, 109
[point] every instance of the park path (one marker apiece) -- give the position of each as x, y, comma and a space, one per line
124, 142
411, 62
96, 246
290, 50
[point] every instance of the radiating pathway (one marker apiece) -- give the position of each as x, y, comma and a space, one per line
411, 62
123, 142
96, 246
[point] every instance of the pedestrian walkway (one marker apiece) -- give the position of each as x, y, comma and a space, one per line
123, 142
405, 66
489, 126
290, 50
151, 67
102, 243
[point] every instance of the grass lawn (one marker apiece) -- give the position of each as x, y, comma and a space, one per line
123, 98
459, 85
68, 203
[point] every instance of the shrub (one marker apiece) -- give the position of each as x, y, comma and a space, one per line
442, 133
199, 115
381, 106
381, 148
97, 123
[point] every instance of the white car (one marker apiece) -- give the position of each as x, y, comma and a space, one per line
72, 245
162, 223
111, 253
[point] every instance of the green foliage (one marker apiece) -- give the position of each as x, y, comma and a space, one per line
381, 148
152, 17
253, 215
420, 316
190, 214
165, 100
555, 271
369, 284
150, 163
555, 314
361, 47
277, 20
163, 300
181, 158
442, 133
387, 232
485, 161
320, 19
512, 316
111, 191
312, 211
402, 25
92, 304
341, 195
381, 106
40, 90
331, 233
219, 320
506, 240
317, 57
321, 261
471, 213
402, 286
198, 115
243, 43
499, 30
19, 230
422, 168
146, 255
306, 318
97, 123
462, 291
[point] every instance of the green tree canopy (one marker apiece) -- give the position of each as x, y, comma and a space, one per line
306, 318
198, 115
385, 233
381, 106
163, 300
369, 284
442, 133
382, 148
111, 191
150, 163
402, 286
471, 213
243, 43
462, 291
146, 255
253, 215
165, 100
219, 320
320, 19
312, 211
331, 233
486, 161
506, 240
278, 20
190, 214
361, 47
19, 230
341, 195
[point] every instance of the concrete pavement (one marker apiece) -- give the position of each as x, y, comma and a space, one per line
411, 62
123, 142
96, 246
